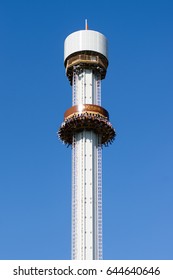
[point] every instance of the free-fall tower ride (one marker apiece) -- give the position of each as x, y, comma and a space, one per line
87, 129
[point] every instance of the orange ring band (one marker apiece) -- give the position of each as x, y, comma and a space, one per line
86, 108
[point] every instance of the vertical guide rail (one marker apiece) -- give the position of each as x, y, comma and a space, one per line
81, 186
74, 174
99, 176
98, 89
74, 89
99, 201
73, 237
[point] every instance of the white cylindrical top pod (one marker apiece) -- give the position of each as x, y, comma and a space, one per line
85, 40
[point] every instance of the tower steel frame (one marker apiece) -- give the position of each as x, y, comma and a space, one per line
86, 128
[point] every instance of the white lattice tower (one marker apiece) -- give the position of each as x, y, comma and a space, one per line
87, 128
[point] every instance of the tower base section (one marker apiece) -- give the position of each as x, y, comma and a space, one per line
86, 196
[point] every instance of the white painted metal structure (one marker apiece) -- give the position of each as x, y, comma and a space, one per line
86, 144
86, 176
85, 40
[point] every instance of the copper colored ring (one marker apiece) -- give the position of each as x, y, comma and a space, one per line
86, 108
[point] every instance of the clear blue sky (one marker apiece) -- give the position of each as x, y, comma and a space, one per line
35, 167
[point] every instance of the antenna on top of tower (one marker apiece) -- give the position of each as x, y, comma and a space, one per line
86, 24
